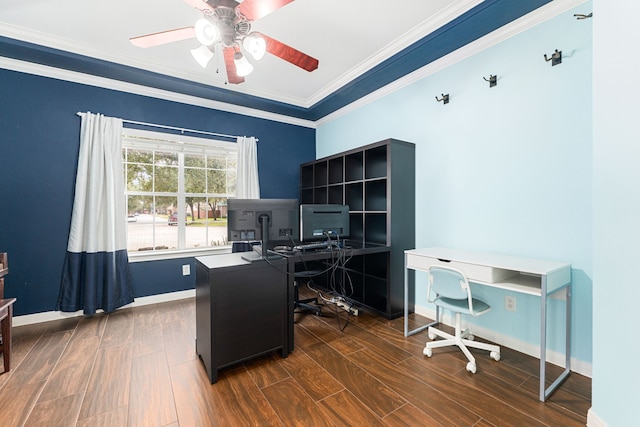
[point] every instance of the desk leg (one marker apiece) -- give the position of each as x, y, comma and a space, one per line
545, 393
568, 330
406, 298
543, 336
407, 332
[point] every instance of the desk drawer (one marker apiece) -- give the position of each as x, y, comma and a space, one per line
474, 272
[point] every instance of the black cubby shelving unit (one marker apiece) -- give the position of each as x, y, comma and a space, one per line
377, 182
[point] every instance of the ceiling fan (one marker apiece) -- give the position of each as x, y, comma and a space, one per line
227, 23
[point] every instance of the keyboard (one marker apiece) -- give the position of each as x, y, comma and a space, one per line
312, 246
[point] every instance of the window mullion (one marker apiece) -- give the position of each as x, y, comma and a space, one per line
182, 206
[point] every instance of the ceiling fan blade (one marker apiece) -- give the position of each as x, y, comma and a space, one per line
163, 37
256, 9
290, 54
232, 76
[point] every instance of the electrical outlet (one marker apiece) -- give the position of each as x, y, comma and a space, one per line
510, 303
186, 270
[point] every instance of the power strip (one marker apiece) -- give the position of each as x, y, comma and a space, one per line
346, 307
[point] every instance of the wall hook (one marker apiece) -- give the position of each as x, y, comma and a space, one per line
556, 57
445, 98
582, 16
493, 80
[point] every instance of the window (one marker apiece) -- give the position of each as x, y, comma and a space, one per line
177, 189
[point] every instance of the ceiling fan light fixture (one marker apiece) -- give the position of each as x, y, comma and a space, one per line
206, 32
255, 45
225, 28
243, 67
202, 55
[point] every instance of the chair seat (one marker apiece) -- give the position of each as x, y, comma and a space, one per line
462, 305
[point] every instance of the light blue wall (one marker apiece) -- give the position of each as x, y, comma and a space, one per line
616, 141
505, 169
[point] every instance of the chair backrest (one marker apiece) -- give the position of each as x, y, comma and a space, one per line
448, 282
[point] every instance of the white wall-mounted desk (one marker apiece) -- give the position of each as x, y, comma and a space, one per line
530, 276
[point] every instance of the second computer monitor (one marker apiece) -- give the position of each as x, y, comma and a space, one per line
245, 219
319, 222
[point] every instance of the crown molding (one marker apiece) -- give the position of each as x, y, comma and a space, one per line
540, 15
215, 80
425, 28
102, 82
524, 23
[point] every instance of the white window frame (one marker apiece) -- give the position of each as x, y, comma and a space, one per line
181, 144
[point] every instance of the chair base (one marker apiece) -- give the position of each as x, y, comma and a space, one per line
307, 304
462, 339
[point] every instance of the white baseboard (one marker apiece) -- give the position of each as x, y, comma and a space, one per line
593, 420
48, 316
579, 366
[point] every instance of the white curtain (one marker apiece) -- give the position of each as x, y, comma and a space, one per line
96, 269
248, 185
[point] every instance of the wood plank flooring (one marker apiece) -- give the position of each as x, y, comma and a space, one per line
138, 367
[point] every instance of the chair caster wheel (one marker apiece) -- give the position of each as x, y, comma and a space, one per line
431, 336
471, 367
470, 337
427, 352
495, 355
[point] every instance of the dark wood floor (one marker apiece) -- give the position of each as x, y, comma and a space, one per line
138, 367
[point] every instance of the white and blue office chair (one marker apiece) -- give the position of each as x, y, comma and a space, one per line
449, 289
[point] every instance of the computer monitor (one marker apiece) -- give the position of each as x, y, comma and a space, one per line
266, 220
319, 222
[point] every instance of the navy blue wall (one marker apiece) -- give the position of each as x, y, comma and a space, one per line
39, 132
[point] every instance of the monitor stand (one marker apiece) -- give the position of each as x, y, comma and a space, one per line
261, 252
257, 255
252, 256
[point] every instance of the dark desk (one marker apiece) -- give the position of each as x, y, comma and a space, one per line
242, 310
245, 309
367, 267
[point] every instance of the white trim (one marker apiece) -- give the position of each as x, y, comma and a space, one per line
533, 350
452, 11
101, 82
29, 319
503, 33
593, 420
530, 20
213, 79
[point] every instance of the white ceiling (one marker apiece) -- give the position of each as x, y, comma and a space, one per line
348, 37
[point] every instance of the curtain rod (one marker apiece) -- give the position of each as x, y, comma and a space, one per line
183, 130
